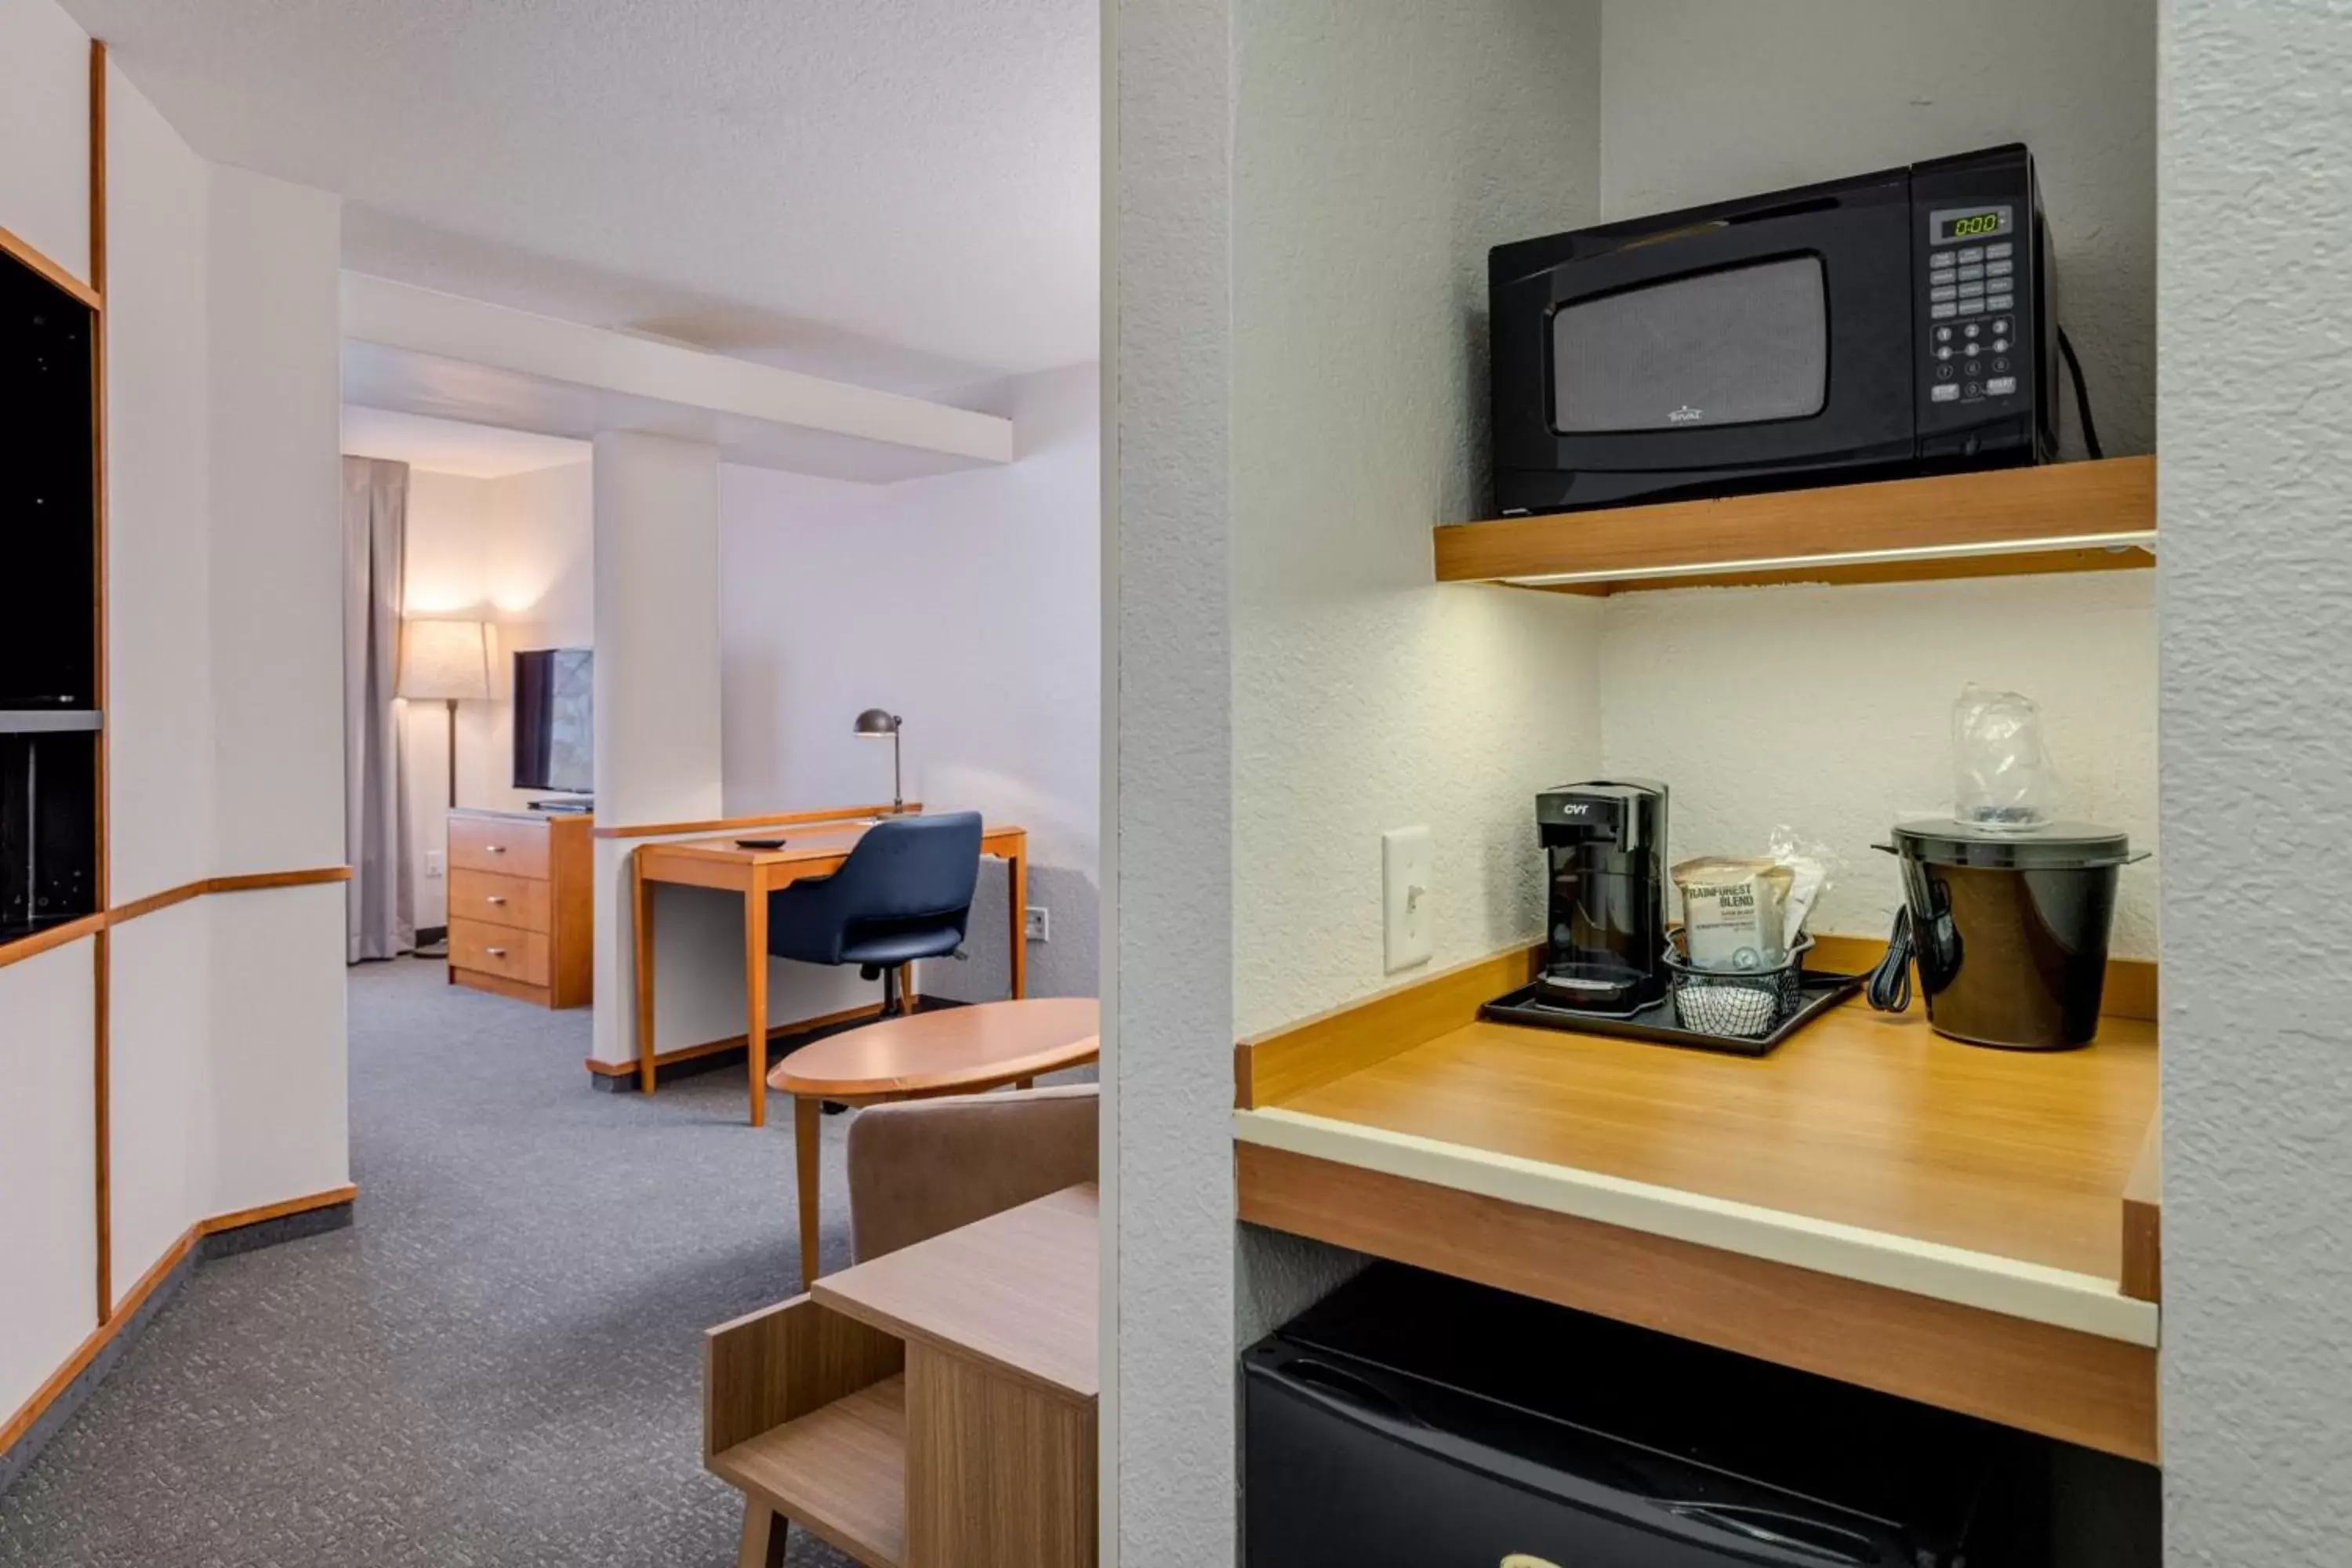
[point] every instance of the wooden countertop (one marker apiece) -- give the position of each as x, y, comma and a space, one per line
1870, 1176
1861, 1119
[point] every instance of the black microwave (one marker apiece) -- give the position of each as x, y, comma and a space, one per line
1894, 323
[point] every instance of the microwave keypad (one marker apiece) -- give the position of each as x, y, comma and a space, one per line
1968, 288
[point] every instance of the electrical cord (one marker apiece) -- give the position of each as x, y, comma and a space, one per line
1889, 987
2082, 395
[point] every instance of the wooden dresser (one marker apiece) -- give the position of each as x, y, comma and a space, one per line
521, 905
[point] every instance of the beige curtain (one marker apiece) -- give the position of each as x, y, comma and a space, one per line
383, 905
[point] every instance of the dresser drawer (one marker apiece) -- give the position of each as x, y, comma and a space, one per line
498, 949
516, 901
490, 844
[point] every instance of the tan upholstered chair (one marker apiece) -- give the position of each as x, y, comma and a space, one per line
920, 1167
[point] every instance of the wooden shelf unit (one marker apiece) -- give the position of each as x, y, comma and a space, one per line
931, 1408
1872, 1201
2060, 517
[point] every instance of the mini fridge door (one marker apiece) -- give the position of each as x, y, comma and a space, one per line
1349, 1464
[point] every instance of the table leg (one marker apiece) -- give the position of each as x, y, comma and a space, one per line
806, 1134
1016, 889
641, 917
763, 1536
755, 998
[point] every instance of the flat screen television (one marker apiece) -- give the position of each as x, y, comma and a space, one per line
554, 720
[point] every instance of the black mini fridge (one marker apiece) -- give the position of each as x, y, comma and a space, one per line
1414, 1420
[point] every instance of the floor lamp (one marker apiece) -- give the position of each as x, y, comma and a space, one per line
448, 661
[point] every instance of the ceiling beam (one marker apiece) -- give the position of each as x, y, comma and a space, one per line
402, 317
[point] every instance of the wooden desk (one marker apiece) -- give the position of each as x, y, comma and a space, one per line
812, 851
962, 1050
1872, 1201
933, 1408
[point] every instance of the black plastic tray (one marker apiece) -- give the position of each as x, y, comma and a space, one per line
1819, 993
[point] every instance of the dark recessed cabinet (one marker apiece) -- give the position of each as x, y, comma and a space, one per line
50, 720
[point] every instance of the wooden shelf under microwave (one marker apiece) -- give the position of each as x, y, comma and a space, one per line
2061, 517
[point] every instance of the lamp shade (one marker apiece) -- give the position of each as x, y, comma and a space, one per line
877, 721
446, 659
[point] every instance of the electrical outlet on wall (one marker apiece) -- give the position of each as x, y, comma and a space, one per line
1038, 925
1406, 928
433, 865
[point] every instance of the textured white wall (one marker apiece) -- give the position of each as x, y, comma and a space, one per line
1380, 150
1828, 709
160, 774
159, 1081
158, 477
48, 1165
277, 1078
49, 1242
1709, 98
277, 570
2256, 432
45, 132
1704, 100
1167, 1142
276, 1097
656, 574
1349, 163
970, 605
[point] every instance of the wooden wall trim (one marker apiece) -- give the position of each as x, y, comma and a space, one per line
17, 246
136, 1297
729, 824
42, 942
258, 881
2078, 1387
243, 882
99, 1338
238, 1220
1272, 1066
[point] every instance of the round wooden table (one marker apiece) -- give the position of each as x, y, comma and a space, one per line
955, 1050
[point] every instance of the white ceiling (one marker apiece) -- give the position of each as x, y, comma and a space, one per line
448, 446
898, 192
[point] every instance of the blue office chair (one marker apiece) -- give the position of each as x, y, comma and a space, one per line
904, 893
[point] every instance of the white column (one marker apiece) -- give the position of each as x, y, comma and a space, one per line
658, 737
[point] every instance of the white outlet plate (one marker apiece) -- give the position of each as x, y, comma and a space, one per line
1406, 928
1037, 924
433, 865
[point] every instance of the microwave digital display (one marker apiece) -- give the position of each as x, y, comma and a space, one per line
1951, 224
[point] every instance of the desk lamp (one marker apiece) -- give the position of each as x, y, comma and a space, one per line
872, 725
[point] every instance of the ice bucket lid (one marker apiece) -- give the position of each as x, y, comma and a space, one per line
2045, 846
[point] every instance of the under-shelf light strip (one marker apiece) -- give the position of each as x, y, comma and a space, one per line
2138, 539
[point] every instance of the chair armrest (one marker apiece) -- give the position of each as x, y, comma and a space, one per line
917, 1168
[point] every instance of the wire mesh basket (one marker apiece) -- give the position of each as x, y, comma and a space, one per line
1743, 1004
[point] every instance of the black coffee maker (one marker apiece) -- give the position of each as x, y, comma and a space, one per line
1605, 845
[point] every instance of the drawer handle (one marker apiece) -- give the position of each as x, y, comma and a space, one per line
493, 898
496, 848
496, 952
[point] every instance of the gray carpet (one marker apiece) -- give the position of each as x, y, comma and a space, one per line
497, 1367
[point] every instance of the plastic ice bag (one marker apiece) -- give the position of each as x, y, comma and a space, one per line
2002, 775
